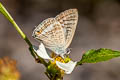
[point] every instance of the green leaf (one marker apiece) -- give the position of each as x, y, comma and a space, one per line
102, 54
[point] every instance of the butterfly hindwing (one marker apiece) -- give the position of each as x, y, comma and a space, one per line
68, 20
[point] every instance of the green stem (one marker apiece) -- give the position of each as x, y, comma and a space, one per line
47, 75
8, 16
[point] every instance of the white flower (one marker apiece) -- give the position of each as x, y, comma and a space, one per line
67, 67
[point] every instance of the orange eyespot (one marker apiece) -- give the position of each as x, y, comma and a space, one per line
38, 32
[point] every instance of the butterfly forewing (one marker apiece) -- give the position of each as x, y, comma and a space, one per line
51, 33
68, 20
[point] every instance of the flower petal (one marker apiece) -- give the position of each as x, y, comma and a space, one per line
67, 67
41, 51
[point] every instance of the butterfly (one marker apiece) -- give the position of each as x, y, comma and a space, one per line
57, 33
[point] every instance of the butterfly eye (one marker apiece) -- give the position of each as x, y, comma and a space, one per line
68, 50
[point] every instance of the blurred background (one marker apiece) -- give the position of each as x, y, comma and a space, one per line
98, 27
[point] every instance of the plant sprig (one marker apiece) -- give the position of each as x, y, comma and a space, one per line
90, 56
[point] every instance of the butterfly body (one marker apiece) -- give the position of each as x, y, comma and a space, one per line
57, 33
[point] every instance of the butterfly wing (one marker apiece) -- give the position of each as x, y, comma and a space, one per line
68, 20
50, 33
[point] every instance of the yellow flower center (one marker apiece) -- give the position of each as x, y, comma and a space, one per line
57, 58
60, 59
